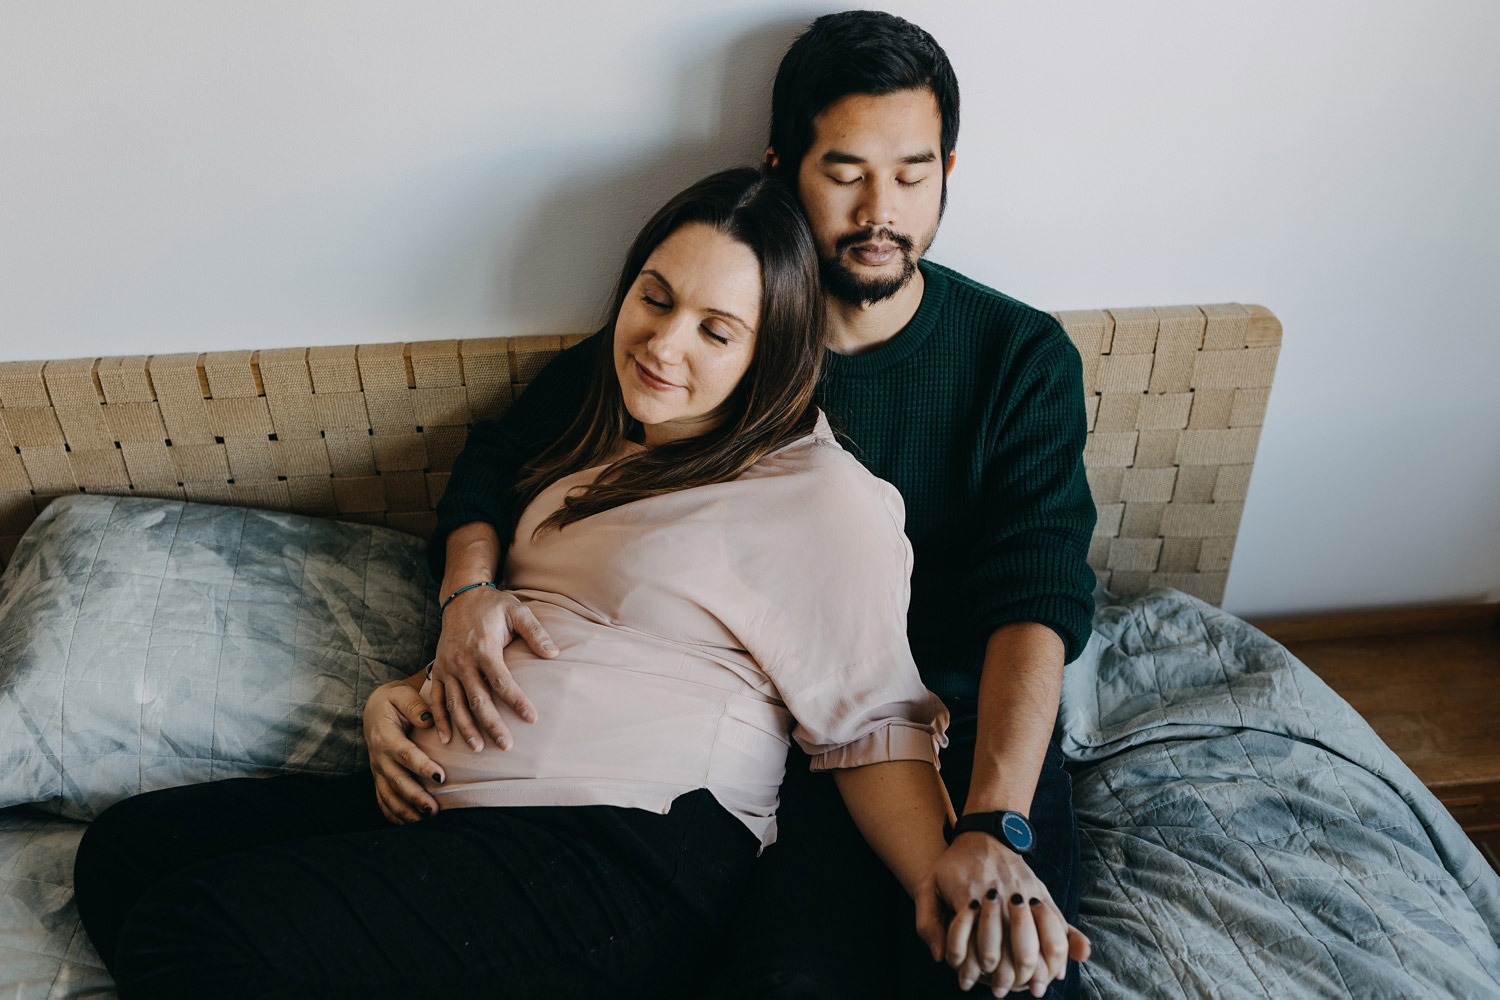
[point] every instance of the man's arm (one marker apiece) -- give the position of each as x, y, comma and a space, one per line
468, 547
478, 489
1018, 698
1030, 591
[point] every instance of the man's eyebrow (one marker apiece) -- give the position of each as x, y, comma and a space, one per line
839, 156
711, 311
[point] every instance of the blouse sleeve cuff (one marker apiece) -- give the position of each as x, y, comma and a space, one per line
896, 740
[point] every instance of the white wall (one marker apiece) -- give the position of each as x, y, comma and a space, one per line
187, 176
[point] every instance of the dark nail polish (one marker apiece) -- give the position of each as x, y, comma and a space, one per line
1015, 900
426, 716
992, 895
437, 777
427, 810
1035, 901
973, 904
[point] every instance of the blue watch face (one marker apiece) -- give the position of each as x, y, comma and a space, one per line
1017, 831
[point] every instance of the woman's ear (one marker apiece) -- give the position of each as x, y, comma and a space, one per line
773, 161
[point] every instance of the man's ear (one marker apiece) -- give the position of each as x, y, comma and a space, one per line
952, 159
772, 160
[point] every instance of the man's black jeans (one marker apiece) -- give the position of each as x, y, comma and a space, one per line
297, 886
823, 918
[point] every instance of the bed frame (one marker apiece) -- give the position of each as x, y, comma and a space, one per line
1176, 397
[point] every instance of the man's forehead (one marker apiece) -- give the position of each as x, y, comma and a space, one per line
903, 126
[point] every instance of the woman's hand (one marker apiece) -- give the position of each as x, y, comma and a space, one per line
1005, 922
469, 673
392, 712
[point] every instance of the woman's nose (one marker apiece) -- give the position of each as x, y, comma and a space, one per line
668, 342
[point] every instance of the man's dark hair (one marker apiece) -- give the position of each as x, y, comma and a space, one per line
856, 52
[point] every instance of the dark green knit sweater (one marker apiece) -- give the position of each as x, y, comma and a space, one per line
974, 412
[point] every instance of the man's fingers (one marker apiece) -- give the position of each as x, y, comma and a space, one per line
457, 701
524, 624
439, 712
1024, 947
990, 934
483, 710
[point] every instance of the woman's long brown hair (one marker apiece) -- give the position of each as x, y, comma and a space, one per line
771, 405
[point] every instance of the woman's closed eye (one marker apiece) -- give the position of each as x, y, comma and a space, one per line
709, 333
646, 298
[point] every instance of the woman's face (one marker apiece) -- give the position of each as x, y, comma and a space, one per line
685, 335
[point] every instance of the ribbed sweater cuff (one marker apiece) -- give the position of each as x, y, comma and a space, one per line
1070, 618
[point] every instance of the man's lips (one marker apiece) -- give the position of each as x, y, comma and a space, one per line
875, 253
652, 379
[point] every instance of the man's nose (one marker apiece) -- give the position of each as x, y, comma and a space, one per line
876, 208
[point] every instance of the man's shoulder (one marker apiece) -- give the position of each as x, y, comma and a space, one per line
1000, 322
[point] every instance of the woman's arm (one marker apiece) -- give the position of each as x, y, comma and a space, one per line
899, 807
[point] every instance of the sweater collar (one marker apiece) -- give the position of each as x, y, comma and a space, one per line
905, 343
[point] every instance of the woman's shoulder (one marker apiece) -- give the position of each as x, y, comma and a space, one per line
827, 483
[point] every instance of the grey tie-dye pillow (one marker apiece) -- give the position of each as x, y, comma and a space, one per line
150, 643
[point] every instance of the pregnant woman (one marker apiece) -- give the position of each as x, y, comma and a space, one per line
718, 577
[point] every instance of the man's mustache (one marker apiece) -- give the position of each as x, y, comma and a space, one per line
873, 235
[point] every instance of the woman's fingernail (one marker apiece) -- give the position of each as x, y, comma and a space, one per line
427, 810
444, 737
426, 716
1035, 901
992, 895
436, 776
964, 984
1015, 900
476, 745
973, 904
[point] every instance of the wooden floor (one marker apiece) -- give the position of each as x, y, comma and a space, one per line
1434, 697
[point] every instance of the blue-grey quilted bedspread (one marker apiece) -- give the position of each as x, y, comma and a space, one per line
1246, 834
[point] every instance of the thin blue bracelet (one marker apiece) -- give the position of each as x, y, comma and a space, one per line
444, 606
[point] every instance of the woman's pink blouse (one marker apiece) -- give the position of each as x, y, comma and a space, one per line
699, 632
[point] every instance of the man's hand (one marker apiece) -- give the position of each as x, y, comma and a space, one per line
392, 712
469, 673
1004, 922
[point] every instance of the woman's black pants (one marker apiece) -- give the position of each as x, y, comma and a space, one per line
297, 886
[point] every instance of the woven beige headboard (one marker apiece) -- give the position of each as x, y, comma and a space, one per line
369, 433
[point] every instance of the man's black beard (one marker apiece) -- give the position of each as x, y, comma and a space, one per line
842, 283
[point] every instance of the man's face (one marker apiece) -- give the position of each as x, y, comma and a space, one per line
872, 187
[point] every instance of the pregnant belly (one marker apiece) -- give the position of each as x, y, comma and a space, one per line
593, 721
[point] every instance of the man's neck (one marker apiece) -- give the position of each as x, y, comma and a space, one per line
855, 328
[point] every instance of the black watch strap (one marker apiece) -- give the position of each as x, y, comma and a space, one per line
1010, 828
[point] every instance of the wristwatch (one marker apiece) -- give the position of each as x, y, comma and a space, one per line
1010, 828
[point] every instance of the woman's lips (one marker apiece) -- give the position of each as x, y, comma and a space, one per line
875, 254
651, 379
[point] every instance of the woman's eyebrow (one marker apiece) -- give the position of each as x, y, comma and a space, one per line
710, 310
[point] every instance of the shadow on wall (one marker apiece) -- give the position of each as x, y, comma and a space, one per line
577, 235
